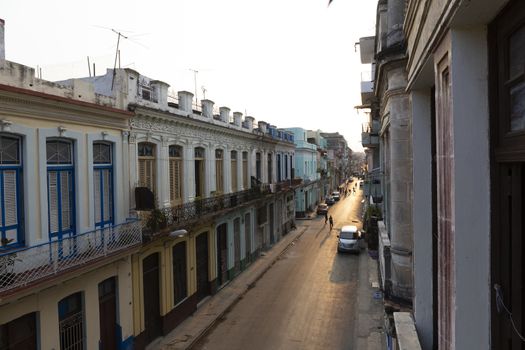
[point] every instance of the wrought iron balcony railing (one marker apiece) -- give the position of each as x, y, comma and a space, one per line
31, 265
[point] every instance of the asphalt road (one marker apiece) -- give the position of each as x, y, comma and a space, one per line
307, 300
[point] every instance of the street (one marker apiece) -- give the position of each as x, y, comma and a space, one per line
307, 300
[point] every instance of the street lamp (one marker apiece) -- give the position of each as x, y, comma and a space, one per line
178, 233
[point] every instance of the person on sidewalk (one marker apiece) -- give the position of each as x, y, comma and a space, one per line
325, 217
331, 223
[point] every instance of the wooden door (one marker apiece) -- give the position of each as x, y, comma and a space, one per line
19, 334
203, 285
237, 245
107, 306
151, 287
222, 253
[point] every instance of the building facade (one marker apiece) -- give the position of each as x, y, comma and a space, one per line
459, 69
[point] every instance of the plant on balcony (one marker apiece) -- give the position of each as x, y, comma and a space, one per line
157, 220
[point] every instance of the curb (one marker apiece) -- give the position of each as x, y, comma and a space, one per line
245, 290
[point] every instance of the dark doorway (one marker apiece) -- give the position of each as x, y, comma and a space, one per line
71, 322
272, 225
180, 280
237, 245
248, 237
19, 334
203, 285
107, 307
151, 287
222, 253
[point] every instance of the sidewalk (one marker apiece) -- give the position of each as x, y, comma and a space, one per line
189, 331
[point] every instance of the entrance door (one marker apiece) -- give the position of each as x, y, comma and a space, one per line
19, 334
203, 285
151, 286
222, 253
248, 237
237, 245
107, 306
272, 225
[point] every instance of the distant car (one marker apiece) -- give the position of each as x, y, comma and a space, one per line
322, 209
336, 195
330, 200
360, 184
348, 239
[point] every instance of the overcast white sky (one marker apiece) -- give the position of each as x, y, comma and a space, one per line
287, 62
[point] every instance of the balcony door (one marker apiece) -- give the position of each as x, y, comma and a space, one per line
507, 82
103, 183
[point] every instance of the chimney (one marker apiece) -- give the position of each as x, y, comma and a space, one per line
225, 114
185, 101
2, 43
207, 108
249, 122
237, 117
262, 127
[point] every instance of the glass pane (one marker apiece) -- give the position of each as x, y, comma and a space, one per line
9, 150
176, 151
146, 149
101, 153
58, 152
199, 152
517, 53
218, 153
517, 107
234, 155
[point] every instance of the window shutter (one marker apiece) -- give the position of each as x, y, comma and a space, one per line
65, 187
142, 173
245, 174
9, 202
175, 180
53, 201
96, 186
234, 175
107, 195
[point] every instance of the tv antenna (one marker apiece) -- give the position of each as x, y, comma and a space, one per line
117, 54
195, 72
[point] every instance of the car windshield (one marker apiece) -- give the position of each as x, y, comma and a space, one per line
348, 235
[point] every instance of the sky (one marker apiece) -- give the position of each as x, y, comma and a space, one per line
291, 63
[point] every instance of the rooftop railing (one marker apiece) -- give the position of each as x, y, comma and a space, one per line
30, 265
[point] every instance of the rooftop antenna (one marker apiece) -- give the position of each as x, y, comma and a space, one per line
117, 54
203, 92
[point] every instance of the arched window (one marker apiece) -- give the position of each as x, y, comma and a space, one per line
234, 171
147, 165
11, 205
219, 171
103, 183
199, 171
60, 188
175, 153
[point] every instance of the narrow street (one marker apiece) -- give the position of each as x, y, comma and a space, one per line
307, 300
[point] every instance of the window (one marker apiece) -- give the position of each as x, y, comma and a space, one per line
270, 179
219, 171
71, 322
234, 171
258, 166
175, 154
279, 177
11, 205
286, 167
103, 183
199, 172
245, 170
147, 165
180, 280
60, 188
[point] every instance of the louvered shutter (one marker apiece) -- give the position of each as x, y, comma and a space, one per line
65, 187
96, 186
10, 197
107, 195
219, 176
245, 174
234, 175
178, 179
53, 201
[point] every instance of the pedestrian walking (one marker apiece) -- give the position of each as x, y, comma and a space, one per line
331, 222
325, 218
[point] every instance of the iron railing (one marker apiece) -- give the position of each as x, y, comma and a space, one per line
22, 267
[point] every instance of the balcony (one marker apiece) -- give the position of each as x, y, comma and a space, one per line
29, 266
370, 134
367, 88
366, 48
